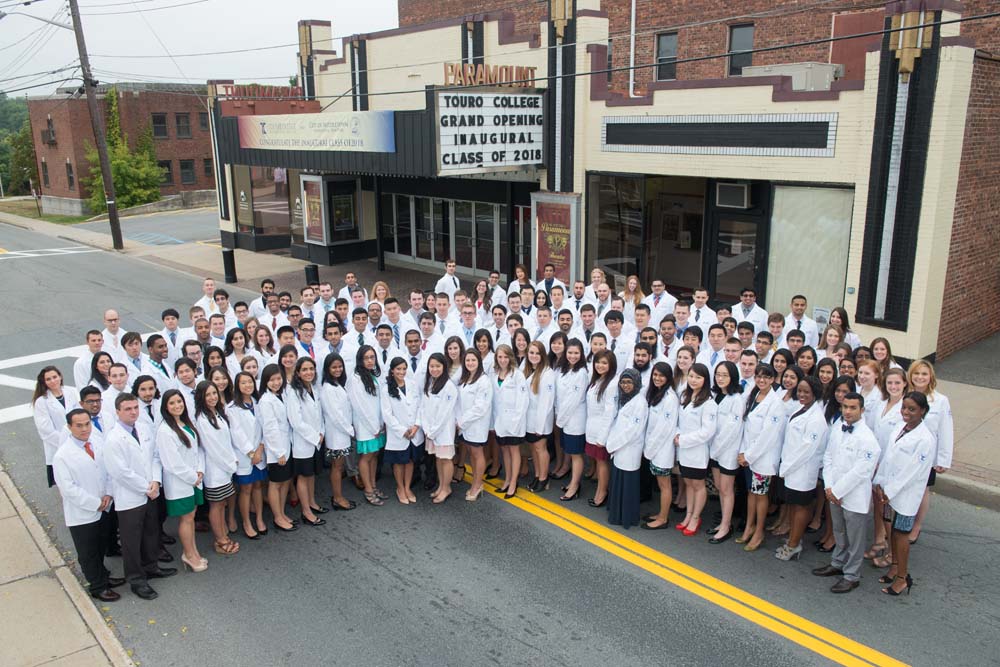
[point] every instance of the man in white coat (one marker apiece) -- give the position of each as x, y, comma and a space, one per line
549, 280
83, 483
385, 349
465, 328
134, 469
797, 319
701, 314
113, 335
81, 367
448, 283
747, 310
660, 302
852, 454
207, 300
156, 364
416, 359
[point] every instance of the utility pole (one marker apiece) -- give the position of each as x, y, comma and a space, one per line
99, 137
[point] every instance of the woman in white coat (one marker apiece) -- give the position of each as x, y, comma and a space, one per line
510, 415
220, 462
724, 450
541, 411
602, 404
624, 445
183, 462
404, 439
571, 412
888, 421
940, 423
277, 444
475, 400
801, 458
305, 416
50, 404
438, 405
661, 427
760, 451
901, 480
248, 443
696, 425
369, 429
338, 418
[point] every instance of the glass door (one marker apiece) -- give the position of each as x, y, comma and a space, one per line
464, 241
404, 221
423, 229
485, 241
441, 223
736, 257
522, 233
388, 222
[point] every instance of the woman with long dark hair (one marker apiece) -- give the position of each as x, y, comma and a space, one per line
277, 444
602, 404
541, 412
475, 414
760, 450
571, 412
50, 403
724, 450
437, 418
369, 429
248, 440
305, 417
510, 415
404, 442
338, 420
100, 370
696, 426
220, 462
661, 427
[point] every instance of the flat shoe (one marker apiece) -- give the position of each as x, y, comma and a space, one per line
320, 510
662, 526
720, 540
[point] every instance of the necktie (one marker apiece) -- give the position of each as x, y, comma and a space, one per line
385, 355
134, 434
587, 333
173, 338
498, 333
413, 364
578, 304
614, 344
746, 312
327, 307
137, 363
656, 300
274, 324
423, 346
743, 384
149, 411
538, 333
666, 350
442, 326
87, 448
715, 357
361, 339
395, 333
97, 422
847, 429
468, 337
798, 324
637, 337
455, 280
600, 308
697, 315
309, 349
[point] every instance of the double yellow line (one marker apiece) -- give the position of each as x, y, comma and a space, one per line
823, 641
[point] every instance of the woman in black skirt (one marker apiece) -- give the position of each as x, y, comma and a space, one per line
625, 442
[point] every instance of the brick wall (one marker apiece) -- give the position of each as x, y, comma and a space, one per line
71, 123
527, 15
972, 282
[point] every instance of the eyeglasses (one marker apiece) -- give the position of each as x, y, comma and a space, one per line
92, 400
306, 330
111, 319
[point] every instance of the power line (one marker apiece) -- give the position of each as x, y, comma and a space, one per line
47, 33
19, 3
28, 76
23, 39
117, 4
151, 9
37, 85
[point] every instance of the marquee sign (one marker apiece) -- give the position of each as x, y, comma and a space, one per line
489, 130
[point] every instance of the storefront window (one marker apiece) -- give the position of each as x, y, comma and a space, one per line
402, 231
614, 225
343, 210
674, 214
243, 195
271, 215
295, 197
388, 222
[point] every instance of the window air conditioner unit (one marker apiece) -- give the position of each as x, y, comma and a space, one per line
732, 195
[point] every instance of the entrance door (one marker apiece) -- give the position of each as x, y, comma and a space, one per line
464, 239
485, 241
737, 257
441, 241
423, 229
522, 234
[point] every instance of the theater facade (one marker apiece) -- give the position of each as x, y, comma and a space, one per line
494, 143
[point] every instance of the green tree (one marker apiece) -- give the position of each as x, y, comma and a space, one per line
22, 163
13, 113
136, 174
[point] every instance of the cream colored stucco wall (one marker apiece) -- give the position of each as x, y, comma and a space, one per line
518, 53
410, 62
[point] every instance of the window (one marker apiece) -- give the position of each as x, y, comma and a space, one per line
183, 125
45, 174
168, 174
740, 40
207, 165
203, 120
666, 56
159, 126
610, 61
70, 179
187, 172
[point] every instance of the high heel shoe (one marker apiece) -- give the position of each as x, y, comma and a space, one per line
567, 498
541, 485
199, 567
317, 522
290, 529
824, 550
787, 553
752, 547
594, 503
680, 526
510, 494
891, 591
472, 497
688, 532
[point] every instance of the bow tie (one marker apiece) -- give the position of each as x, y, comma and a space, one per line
847, 428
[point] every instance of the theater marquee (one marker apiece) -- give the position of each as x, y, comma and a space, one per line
482, 131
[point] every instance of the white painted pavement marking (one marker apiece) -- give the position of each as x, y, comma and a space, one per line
74, 351
15, 413
47, 252
16, 382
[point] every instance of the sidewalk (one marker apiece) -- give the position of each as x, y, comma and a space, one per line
46, 617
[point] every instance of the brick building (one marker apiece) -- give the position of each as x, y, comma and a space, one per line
862, 171
62, 132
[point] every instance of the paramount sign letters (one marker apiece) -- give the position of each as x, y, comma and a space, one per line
514, 76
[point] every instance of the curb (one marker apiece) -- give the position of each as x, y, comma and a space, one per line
91, 616
968, 491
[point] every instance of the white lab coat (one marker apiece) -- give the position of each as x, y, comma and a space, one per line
50, 419
220, 457
475, 415
447, 284
940, 423
725, 446
696, 426
400, 414
113, 344
181, 464
803, 449
625, 439
384, 357
273, 322
81, 370
83, 481
151, 422
887, 424
658, 311
905, 467
135, 371
366, 409
541, 406
510, 405
337, 416
274, 427
623, 345
164, 378
763, 432
131, 466
173, 348
809, 328
601, 412
661, 427
437, 414
571, 401
247, 435
757, 316
305, 417
705, 357
849, 464
540, 287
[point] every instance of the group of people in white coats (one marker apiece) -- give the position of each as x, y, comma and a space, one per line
796, 430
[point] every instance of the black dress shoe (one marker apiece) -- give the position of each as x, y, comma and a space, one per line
340, 508
290, 529
828, 571
162, 573
145, 591
662, 526
600, 504
168, 539
844, 586
320, 510
720, 540
317, 522
165, 557
107, 595
115, 582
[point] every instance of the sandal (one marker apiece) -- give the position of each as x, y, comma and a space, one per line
883, 561
374, 500
227, 548
876, 551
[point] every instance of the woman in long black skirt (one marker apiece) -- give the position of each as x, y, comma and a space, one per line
624, 444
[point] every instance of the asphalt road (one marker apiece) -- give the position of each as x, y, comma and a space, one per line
510, 583
169, 228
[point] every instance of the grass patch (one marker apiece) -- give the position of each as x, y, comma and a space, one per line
26, 208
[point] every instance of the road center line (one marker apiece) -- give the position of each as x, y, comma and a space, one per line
810, 635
